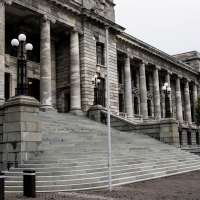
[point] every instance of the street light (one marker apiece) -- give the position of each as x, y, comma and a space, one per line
96, 82
21, 61
166, 89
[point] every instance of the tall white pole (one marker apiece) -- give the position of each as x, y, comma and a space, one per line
108, 107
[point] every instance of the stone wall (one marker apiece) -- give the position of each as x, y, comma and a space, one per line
92, 35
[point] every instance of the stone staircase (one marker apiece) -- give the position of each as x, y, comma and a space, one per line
73, 156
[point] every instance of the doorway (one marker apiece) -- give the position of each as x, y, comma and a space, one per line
34, 88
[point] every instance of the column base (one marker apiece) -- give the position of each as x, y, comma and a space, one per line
47, 108
77, 112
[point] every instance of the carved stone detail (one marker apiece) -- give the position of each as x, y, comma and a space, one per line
135, 92
101, 6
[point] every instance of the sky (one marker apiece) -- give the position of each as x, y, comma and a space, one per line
172, 26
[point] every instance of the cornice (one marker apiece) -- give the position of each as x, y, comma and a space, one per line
152, 50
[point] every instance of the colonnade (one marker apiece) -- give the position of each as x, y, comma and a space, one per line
45, 62
156, 93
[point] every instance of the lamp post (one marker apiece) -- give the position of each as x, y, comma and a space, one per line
166, 89
21, 64
96, 82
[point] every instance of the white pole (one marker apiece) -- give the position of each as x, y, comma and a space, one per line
108, 107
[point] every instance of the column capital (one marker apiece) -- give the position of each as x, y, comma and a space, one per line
185, 79
143, 62
169, 72
157, 67
45, 19
179, 76
7, 2
77, 30
126, 55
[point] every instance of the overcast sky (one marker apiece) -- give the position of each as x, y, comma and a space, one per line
172, 26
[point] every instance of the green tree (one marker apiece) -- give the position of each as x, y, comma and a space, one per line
197, 111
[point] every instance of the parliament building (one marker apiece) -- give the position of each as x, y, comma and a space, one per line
69, 48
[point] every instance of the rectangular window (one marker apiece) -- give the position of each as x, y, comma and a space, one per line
100, 60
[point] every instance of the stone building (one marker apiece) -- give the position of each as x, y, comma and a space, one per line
68, 38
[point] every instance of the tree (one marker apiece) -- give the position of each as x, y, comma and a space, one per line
197, 111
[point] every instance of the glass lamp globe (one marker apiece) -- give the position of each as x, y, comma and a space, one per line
95, 76
15, 42
166, 84
168, 89
22, 38
29, 47
98, 80
93, 79
164, 88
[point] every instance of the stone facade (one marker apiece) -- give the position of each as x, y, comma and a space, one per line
69, 49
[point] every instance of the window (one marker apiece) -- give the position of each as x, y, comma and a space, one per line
100, 60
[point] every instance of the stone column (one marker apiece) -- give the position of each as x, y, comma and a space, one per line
2, 47
179, 111
75, 90
156, 93
194, 98
167, 80
128, 88
54, 39
45, 65
187, 102
143, 92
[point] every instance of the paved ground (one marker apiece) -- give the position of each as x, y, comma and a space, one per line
181, 187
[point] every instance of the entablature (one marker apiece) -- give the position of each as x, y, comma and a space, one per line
145, 48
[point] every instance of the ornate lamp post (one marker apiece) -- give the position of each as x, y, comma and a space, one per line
96, 82
166, 89
21, 67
